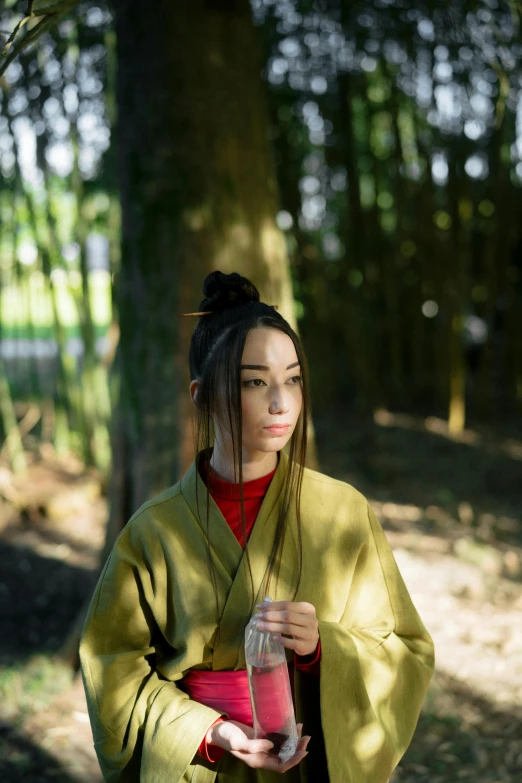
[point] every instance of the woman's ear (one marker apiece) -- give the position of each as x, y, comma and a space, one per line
193, 389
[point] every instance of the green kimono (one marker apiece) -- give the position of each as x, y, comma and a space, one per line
153, 617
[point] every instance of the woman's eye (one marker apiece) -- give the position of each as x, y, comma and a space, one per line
255, 382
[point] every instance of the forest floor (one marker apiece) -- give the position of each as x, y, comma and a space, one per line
451, 508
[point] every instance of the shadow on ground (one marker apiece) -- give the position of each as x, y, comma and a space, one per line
23, 762
39, 599
408, 464
462, 736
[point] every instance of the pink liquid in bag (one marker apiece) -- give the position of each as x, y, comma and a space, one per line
270, 692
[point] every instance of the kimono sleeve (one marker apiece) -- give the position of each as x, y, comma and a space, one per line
376, 664
144, 727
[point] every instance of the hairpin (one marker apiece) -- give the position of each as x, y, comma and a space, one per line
207, 312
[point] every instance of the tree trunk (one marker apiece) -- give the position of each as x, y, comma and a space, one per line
456, 295
357, 318
198, 193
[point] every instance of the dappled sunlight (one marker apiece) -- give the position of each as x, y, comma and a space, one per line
272, 241
54, 509
279, 288
368, 741
265, 241
53, 545
432, 492
475, 618
510, 446
440, 531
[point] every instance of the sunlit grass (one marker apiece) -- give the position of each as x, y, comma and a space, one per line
28, 686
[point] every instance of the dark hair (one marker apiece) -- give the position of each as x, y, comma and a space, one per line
216, 350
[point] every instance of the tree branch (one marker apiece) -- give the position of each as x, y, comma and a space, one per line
48, 13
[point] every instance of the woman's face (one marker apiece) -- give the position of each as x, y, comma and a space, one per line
271, 394
271, 391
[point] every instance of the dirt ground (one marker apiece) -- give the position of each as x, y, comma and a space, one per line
451, 510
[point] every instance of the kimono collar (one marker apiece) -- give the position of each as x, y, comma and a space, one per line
194, 491
234, 585
255, 488
221, 537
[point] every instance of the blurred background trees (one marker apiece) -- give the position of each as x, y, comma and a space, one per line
395, 133
398, 156
59, 235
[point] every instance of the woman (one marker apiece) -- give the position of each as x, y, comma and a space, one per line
162, 649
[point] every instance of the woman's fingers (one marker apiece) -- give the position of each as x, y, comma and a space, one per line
284, 616
240, 742
239, 738
299, 607
298, 626
288, 611
254, 752
298, 632
273, 763
258, 746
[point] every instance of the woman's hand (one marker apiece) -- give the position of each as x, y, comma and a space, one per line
237, 738
296, 618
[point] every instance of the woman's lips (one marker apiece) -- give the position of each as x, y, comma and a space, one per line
278, 429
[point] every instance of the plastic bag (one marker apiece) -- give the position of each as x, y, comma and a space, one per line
270, 693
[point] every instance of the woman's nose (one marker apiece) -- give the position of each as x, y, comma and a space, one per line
279, 403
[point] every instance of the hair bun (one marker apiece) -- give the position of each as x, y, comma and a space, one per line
222, 291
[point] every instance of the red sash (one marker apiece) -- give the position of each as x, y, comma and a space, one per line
225, 691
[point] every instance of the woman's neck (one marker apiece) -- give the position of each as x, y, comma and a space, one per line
222, 468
